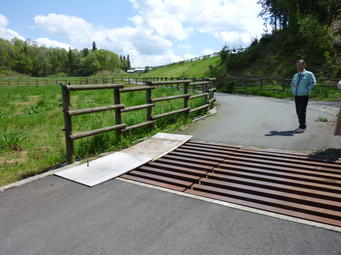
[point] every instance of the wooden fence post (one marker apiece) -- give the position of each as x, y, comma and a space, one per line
186, 84
149, 101
210, 93
261, 83
205, 90
194, 86
118, 117
67, 124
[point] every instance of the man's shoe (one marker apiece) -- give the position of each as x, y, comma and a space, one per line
299, 130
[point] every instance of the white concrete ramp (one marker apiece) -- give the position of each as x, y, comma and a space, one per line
118, 163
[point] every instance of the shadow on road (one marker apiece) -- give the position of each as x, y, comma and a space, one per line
329, 155
281, 133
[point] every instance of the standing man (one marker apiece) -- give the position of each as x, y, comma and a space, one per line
338, 121
301, 85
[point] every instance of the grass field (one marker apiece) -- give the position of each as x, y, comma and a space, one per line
195, 69
31, 136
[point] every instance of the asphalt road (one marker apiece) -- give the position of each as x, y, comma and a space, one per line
56, 216
268, 123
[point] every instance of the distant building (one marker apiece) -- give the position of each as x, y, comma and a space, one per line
137, 70
140, 70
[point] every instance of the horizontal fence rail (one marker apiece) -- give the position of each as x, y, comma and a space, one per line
147, 86
281, 85
91, 81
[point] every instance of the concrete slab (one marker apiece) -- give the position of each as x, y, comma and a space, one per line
158, 145
172, 136
113, 165
103, 169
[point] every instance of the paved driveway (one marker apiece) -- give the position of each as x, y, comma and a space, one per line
268, 123
56, 216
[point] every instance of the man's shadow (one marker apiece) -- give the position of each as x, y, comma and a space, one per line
281, 133
328, 155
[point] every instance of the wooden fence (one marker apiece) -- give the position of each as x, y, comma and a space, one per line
89, 81
39, 82
274, 84
119, 108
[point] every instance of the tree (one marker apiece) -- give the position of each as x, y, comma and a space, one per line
41, 63
85, 52
108, 60
288, 13
6, 54
94, 47
128, 63
22, 57
124, 63
29, 58
90, 65
74, 60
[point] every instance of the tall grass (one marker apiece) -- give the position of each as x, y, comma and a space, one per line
31, 136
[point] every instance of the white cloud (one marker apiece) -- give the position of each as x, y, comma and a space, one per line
188, 56
3, 21
234, 39
134, 3
143, 45
207, 51
178, 19
161, 24
185, 46
52, 43
77, 29
9, 34
5, 32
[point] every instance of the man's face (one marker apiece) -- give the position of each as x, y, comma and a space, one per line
300, 67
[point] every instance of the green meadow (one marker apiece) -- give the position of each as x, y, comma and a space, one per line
31, 136
195, 69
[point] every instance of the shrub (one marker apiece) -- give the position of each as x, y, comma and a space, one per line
12, 141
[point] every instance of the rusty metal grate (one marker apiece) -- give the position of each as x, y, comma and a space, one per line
290, 184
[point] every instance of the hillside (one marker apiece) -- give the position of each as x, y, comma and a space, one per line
273, 55
309, 30
195, 69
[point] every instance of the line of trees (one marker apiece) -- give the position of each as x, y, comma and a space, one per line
301, 29
26, 57
125, 63
288, 13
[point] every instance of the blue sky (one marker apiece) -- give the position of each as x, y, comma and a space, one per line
152, 32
